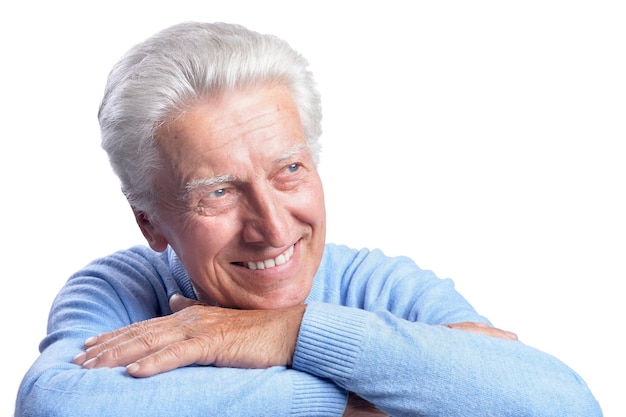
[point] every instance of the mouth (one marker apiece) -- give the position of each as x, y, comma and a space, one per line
268, 263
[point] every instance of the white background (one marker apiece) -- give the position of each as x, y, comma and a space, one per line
483, 138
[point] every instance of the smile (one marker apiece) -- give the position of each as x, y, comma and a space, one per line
271, 263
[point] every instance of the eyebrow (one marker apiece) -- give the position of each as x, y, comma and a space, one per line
296, 149
226, 178
208, 182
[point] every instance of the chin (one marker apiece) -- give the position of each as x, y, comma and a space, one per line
274, 302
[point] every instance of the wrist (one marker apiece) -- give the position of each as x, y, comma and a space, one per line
293, 321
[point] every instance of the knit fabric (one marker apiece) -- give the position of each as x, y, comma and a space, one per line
372, 326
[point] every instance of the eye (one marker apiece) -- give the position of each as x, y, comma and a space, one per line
217, 201
218, 193
293, 167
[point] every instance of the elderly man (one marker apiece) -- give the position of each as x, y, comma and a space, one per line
239, 307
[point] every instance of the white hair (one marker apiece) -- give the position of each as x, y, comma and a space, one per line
187, 62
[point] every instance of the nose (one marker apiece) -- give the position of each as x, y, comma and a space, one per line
268, 220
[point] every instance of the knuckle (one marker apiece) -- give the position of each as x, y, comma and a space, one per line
149, 340
176, 351
106, 354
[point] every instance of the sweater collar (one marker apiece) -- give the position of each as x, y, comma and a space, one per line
180, 275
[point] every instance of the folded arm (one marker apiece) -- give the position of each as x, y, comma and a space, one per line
404, 368
203, 335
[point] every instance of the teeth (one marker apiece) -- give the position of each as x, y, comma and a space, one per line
270, 263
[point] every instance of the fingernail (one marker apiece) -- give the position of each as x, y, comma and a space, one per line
132, 368
90, 363
91, 341
511, 335
80, 358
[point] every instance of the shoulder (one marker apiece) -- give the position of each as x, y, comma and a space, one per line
136, 280
344, 257
134, 257
345, 269
127, 267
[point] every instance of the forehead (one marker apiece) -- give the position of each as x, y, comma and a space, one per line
241, 111
240, 128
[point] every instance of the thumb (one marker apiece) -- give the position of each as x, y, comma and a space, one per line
179, 302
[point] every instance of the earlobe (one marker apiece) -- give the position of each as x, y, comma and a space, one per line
153, 236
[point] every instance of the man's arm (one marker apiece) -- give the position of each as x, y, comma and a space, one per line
409, 369
124, 289
198, 335
404, 368
203, 335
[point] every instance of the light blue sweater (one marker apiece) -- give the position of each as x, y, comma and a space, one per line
370, 327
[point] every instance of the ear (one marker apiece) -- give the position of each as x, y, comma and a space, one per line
150, 231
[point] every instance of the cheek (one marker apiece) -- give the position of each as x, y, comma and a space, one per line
199, 243
309, 209
316, 204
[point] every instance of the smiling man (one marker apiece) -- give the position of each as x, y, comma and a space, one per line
241, 202
239, 307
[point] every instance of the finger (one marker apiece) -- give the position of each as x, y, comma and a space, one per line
135, 342
179, 302
510, 335
127, 332
97, 344
178, 355
498, 333
483, 329
117, 355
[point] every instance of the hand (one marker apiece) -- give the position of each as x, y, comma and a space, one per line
198, 334
358, 407
484, 329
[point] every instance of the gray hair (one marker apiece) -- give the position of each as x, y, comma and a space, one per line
156, 79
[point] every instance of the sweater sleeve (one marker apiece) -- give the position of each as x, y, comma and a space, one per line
374, 328
131, 286
409, 369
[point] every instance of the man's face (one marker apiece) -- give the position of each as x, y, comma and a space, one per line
240, 199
